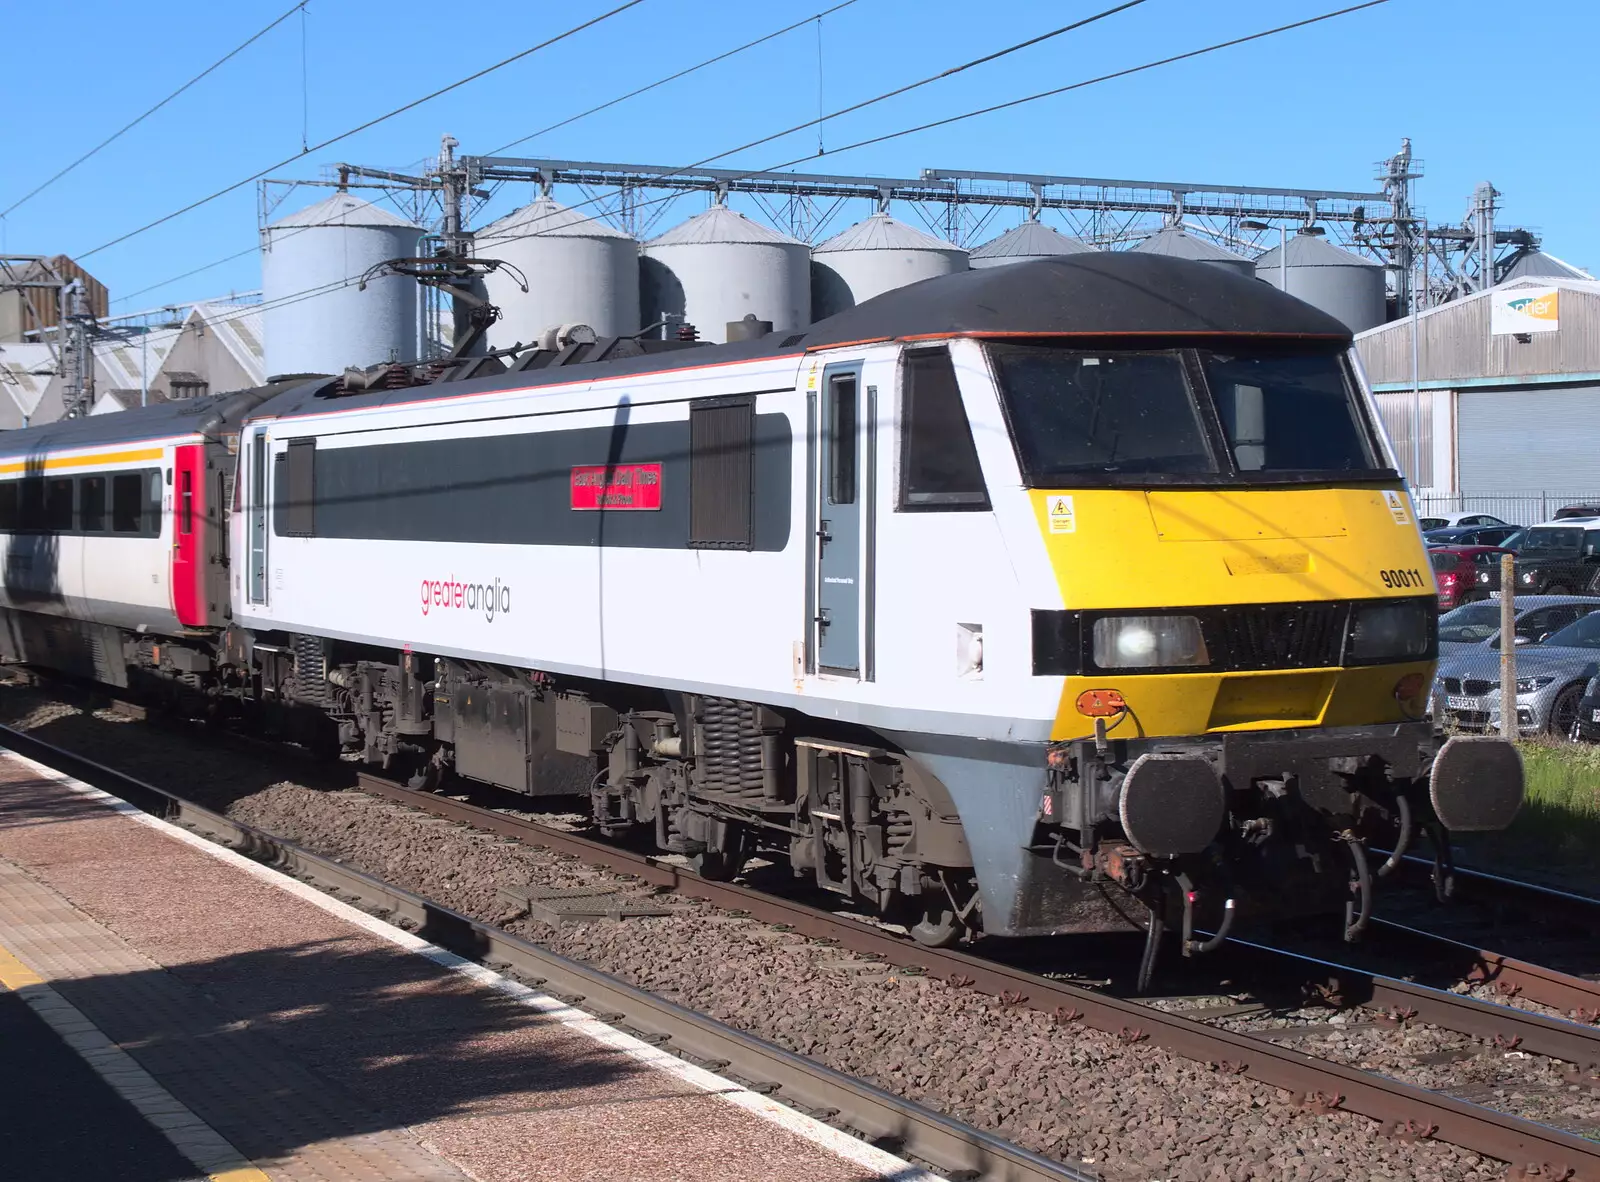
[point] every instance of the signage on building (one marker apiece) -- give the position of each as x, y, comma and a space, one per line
1524, 309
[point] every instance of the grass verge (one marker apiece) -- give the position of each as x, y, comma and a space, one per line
1556, 837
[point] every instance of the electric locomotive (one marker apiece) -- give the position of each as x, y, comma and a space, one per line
1070, 595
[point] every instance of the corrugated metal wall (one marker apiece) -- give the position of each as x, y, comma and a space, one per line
1399, 415
1454, 342
1529, 439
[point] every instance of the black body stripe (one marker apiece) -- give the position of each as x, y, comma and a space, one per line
517, 489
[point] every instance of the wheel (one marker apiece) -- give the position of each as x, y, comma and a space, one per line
938, 927
1563, 720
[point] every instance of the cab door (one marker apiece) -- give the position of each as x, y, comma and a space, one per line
256, 513
842, 481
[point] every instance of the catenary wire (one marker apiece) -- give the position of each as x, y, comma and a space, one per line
710, 61
1043, 94
591, 201
344, 135
118, 134
295, 297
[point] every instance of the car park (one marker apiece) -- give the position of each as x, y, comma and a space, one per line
1476, 626
1554, 558
1475, 535
1552, 681
1457, 521
1455, 570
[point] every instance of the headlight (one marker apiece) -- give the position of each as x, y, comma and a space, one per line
1149, 642
1526, 576
1526, 685
1483, 576
1383, 632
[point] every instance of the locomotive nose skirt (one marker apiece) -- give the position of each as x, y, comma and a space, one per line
1171, 804
1477, 784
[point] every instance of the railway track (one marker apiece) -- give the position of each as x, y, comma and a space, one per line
948, 1146
1404, 1110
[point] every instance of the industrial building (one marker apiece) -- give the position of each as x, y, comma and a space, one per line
1505, 386
200, 349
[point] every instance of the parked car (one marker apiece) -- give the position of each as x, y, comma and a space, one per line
1455, 569
1555, 558
1476, 626
1474, 535
1457, 520
1552, 681
1576, 511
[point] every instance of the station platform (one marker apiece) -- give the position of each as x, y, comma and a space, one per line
170, 1011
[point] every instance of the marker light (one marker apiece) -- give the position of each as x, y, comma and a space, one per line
1101, 703
1409, 688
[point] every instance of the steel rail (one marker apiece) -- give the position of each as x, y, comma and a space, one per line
1504, 1026
1403, 1109
1546, 986
880, 1117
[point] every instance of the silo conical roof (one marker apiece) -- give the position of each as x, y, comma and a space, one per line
1538, 265
882, 232
344, 209
1030, 240
723, 226
1307, 250
547, 217
1178, 244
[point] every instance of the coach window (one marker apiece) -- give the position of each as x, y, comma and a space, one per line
721, 459
295, 480
127, 502
938, 460
92, 504
9, 514
58, 504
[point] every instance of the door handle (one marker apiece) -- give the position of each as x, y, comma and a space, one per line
822, 619
822, 531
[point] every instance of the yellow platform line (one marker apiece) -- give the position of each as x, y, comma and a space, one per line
208, 1149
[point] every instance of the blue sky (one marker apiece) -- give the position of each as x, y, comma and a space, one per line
1314, 108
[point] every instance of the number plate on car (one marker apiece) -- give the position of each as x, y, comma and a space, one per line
1466, 703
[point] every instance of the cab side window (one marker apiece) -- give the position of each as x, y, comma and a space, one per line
938, 461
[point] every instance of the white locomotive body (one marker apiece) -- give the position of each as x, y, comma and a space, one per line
998, 602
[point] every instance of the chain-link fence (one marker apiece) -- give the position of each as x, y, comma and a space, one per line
1519, 508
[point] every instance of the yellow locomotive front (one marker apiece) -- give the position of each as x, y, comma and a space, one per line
1247, 629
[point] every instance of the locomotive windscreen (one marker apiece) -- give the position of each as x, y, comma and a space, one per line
1184, 416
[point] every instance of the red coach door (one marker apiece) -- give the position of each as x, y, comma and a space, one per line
188, 535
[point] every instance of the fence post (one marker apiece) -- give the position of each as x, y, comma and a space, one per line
1508, 647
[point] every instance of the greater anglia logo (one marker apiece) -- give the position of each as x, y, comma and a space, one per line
492, 599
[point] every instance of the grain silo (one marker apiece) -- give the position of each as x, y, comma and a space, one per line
315, 316
1024, 243
579, 271
875, 256
1175, 242
1340, 283
1535, 264
719, 266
